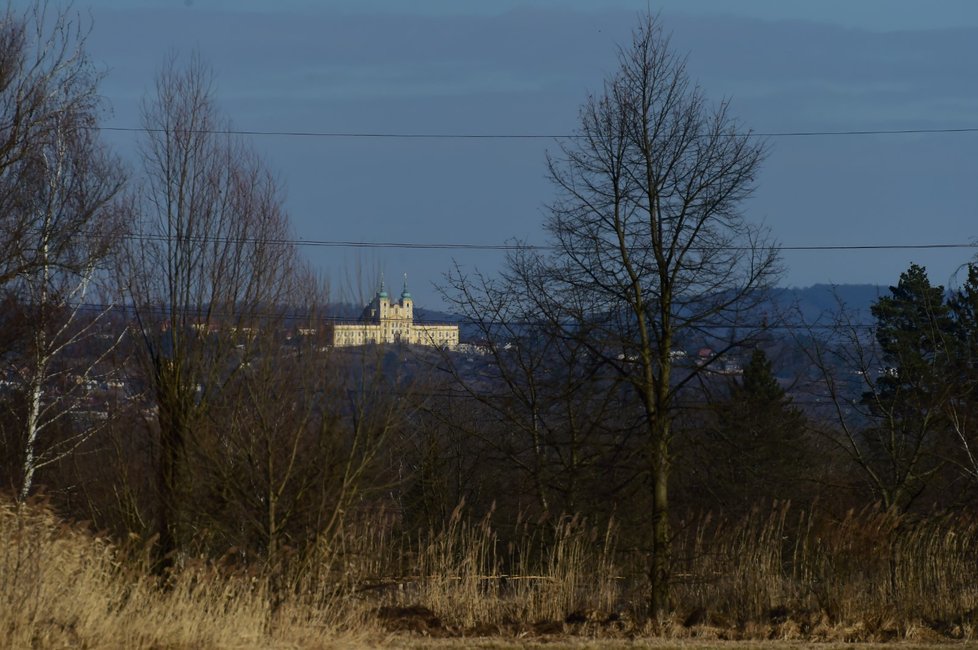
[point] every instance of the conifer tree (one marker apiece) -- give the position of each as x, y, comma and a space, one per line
756, 449
908, 401
915, 332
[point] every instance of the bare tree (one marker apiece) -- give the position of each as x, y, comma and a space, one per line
61, 219
545, 404
650, 249
209, 267
294, 445
48, 92
78, 196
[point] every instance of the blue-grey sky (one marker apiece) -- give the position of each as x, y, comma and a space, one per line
524, 67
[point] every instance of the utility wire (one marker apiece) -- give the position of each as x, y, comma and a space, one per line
394, 135
339, 243
528, 247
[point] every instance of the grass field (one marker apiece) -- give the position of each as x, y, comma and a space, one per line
61, 586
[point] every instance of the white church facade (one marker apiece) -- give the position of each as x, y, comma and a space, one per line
384, 321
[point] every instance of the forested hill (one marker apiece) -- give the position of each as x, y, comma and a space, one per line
810, 302
819, 299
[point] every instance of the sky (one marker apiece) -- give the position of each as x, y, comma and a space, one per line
523, 67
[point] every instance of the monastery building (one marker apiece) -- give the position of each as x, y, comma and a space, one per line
384, 321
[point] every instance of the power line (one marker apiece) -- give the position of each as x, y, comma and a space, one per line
396, 135
341, 243
324, 243
858, 247
792, 134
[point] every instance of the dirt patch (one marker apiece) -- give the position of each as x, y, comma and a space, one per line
782, 628
414, 619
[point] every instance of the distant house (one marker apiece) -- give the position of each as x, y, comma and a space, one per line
384, 321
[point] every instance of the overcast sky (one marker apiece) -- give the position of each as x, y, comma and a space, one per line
524, 67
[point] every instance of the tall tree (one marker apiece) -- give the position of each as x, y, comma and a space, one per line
60, 219
650, 248
962, 372
210, 265
914, 331
77, 189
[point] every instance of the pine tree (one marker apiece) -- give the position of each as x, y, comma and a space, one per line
915, 333
963, 305
757, 448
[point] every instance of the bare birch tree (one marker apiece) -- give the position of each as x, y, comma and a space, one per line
77, 194
48, 86
59, 193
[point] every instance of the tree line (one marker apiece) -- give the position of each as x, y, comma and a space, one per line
628, 371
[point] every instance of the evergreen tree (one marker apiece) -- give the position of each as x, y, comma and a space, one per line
962, 375
757, 450
915, 333
963, 305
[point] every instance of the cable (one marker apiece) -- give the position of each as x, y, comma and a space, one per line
859, 247
327, 243
524, 136
340, 243
528, 247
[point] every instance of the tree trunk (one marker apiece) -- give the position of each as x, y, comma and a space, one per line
172, 438
660, 565
32, 428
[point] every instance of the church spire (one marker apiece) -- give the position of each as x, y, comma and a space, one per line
405, 293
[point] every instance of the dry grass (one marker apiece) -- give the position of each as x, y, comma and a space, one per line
779, 575
870, 576
61, 587
465, 572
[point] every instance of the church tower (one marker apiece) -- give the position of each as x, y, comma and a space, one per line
383, 301
407, 302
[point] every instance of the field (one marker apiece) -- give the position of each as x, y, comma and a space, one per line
62, 586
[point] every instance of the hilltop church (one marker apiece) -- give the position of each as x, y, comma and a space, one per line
384, 321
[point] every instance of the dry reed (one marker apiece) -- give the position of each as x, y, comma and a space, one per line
776, 574
468, 575
62, 587
870, 575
